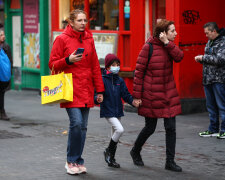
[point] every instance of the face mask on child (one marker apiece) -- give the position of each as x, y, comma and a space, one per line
114, 69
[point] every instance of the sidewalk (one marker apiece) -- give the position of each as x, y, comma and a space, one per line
33, 145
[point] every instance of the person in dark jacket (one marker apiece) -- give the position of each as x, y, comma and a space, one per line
112, 108
4, 85
157, 90
214, 79
86, 75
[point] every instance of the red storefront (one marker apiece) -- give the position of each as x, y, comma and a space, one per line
122, 26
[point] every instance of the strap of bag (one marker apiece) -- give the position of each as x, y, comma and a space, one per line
149, 57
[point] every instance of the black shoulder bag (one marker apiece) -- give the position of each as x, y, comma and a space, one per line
149, 57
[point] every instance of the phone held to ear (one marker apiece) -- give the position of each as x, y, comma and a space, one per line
79, 51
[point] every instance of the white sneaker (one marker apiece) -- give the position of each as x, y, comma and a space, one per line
72, 168
82, 169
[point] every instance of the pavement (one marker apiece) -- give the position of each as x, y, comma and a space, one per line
33, 145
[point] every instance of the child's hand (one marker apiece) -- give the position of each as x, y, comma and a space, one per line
136, 102
99, 98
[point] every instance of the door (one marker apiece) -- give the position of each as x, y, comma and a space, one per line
16, 49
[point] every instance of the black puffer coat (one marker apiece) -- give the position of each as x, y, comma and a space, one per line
214, 60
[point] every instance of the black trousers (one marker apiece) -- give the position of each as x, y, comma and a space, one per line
3, 87
149, 129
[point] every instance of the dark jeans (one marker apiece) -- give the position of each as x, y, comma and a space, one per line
149, 129
77, 134
3, 87
215, 103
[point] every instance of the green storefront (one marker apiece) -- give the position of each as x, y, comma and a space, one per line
27, 32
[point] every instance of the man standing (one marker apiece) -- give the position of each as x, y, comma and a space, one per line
4, 85
214, 79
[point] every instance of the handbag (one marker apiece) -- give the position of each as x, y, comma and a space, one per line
57, 88
5, 67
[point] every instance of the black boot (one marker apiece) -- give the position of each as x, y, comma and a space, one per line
109, 154
146, 132
171, 165
3, 115
136, 156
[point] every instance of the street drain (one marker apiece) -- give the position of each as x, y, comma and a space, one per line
9, 135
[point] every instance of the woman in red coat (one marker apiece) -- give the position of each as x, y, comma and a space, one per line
157, 90
86, 74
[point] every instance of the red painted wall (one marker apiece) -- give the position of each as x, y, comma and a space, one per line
193, 15
189, 17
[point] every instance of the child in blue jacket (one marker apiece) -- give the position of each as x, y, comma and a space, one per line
112, 108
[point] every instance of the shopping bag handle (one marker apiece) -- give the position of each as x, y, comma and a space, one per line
53, 71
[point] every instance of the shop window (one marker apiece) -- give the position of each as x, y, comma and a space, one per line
1, 13
65, 6
158, 11
31, 34
1, 4
127, 15
64, 11
77, 4
104, 14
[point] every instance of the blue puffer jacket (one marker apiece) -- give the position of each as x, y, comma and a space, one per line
115, 89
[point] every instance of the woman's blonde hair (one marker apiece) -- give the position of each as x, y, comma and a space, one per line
74, 13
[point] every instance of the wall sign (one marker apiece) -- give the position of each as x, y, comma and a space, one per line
30, 16
105, 43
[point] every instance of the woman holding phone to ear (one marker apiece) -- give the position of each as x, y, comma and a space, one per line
86, 74
157, 90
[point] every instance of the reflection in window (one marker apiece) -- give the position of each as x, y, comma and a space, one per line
77, 4
104, 14
158, 11
1, 13
64, 11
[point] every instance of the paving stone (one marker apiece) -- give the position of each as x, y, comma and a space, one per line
33, 145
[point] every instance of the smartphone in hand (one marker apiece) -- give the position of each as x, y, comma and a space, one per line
80, 51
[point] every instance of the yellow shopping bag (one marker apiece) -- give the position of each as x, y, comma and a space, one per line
57, 88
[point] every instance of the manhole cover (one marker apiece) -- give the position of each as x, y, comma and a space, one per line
8, 135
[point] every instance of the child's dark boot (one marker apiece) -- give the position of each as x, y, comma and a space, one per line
109, 154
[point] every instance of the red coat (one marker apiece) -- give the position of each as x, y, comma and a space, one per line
86, 73
160, 98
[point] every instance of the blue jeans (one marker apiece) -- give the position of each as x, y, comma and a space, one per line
77, 134
215, 103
